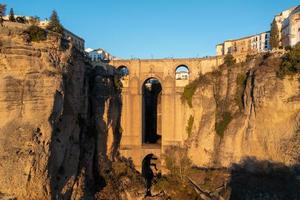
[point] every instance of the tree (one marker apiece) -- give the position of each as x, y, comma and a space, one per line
274, 35
2, 10
35, 34
12, 15
229, 60
2, 13
54, 23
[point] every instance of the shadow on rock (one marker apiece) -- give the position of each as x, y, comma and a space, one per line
255, 179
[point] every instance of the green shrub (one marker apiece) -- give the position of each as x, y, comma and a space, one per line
35, 34
229, 60
222, 123
191, 88
190, 125
290, 63
241, 81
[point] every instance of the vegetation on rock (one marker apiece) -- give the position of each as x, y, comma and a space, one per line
274, 35
190, 125
241, 81
191, 88
2, 10
175, 184
54, 23
2, 13
35, 34
222, 122
229, 60
177, 161
290, 63
12, 15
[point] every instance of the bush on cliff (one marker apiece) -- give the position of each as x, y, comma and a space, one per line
229, 60
290, 63
35, 34
190, 125
222, 122
191, 88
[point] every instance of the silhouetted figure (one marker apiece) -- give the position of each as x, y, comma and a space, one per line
148, 173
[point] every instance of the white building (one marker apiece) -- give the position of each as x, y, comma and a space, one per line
288, 22
290, 28
98, 55
182, 75
261, 42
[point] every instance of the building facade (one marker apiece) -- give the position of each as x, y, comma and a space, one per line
248, 45
290, 28
98, 55
288, 22
182, 75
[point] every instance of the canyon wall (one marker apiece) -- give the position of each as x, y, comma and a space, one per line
59, 119
244, 111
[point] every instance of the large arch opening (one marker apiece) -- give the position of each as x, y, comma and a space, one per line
151, 112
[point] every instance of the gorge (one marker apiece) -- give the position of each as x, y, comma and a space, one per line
69, 127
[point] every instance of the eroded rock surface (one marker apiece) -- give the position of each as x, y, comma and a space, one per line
263, 120
56, 113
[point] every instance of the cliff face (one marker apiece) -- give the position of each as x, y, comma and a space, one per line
245, 111
55, 112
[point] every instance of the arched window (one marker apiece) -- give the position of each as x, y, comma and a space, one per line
182, 72
123, 71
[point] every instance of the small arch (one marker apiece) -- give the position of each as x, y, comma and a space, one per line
123, 70
182, 72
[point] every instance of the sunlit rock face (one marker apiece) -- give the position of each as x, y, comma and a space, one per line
39, 83
265, 126
59, 122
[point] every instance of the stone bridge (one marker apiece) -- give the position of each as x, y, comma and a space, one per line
169, 125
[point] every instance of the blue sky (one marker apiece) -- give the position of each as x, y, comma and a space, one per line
157, 28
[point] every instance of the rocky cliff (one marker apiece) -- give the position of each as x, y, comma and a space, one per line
245, 110
57, 113
60, 121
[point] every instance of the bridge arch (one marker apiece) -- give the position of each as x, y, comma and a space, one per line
151, 111
182, 72
123, 70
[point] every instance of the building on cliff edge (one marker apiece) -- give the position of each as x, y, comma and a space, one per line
288, 22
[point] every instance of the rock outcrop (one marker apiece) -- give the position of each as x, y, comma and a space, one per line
244, 111
56, 113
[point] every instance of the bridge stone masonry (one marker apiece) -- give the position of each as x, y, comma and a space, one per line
171, 118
